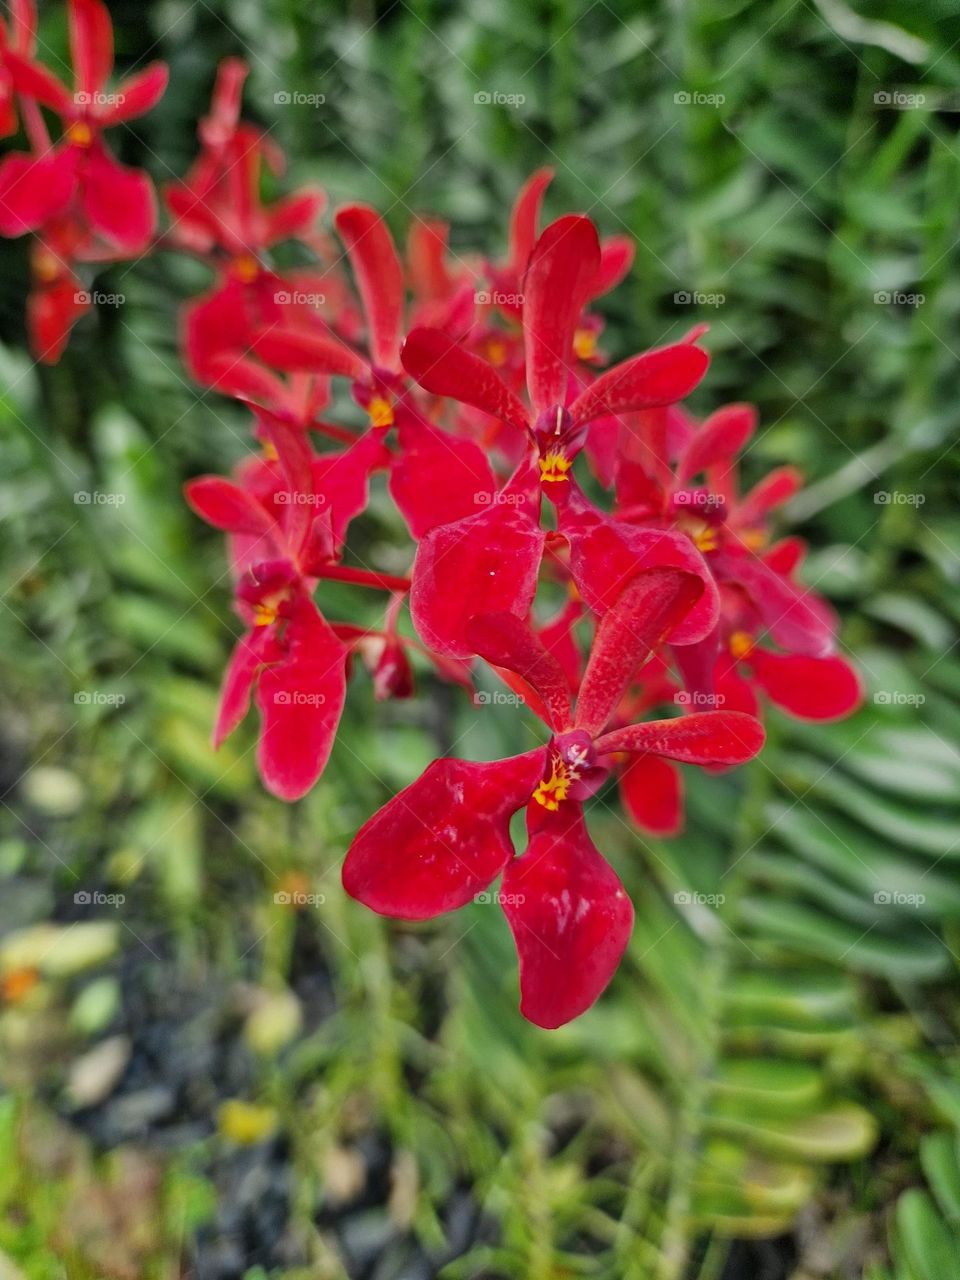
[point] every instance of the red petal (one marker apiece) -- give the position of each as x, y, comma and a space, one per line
119, 202
811, 688
646, 381
33, 80
652, 605
138, 95
705, 737
798, 620
772, 491
343, 478
252, 650
562, 267
525, 216
487, 563
379, 277
559, 639
733, 691
437, 478
300, 702
605, 554
718, 441
91, 44
52, 311
294, 216
504, 640
34, 191
226, 506
786, 556
616, 259
570, 917
427, 259
444, 368
442, 839
302, 351
651, 789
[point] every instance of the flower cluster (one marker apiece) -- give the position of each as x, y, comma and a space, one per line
570, 523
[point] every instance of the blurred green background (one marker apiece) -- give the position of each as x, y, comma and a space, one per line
200, 1080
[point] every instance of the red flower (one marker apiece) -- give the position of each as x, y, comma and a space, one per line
445, 837
489, 560
79, 177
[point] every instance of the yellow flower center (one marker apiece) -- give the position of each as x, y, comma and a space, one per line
554, 789
46, 268
246, 268
381, 412
496, 351
270, 451
754, 539
80, 134
264, 614
741, 643
584, 344
554, 466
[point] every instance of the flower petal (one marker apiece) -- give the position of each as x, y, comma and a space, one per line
119, 202
652, 604
487, 563
721, 437
561, 270
379, 277
504, 640
646, 381
774, 490
300, 702
34, 191
306, 351
52, 311
91, 44
570, 917
811, 688
253, 649
444, 368
437, 478
137, 95
442, 839
616, 259
226, 506
705, 737
524, 217
651, 789
797, 619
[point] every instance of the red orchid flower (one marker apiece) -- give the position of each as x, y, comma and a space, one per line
434, 477
79, 177
445, 838
18, 36
729, 530
489, 560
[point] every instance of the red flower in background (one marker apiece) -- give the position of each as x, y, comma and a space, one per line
445, 837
